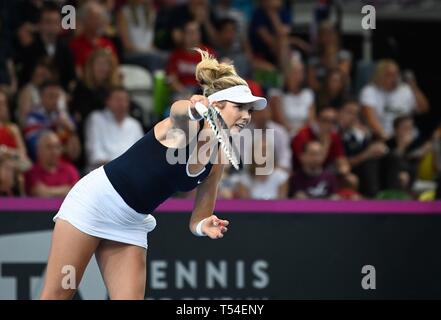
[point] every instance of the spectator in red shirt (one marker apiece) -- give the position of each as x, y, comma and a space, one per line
182, 63
323, 130
11, 140
93, 18
50, 176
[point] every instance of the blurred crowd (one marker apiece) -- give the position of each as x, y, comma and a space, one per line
74, 99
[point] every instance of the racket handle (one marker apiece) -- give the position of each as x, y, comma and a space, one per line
200, 108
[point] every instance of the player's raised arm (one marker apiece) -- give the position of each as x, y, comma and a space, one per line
182, 112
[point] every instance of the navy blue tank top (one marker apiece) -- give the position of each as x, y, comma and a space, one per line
143, 177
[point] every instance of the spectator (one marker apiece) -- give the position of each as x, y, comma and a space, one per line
332, 93
110, 132
8, 78
312, 180
47, 45
270, 33
329, 55
387, 97
182, 63
228, 47
294, 107
29, 95
10, 179
171, 21
323, 130
48, 117
93, 19
50, 176
232, 41
364, 154
268, 186
135, 22
223, 10
406, 149
261, 120
27, 15
11, 141
100, 75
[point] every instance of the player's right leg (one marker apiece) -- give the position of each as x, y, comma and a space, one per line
69, 255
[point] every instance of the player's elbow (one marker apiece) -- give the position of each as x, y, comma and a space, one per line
179, 111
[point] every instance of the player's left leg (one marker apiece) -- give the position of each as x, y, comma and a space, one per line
123, 267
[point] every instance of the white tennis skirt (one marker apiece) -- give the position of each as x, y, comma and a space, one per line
94, 207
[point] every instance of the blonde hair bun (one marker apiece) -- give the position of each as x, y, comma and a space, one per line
214, 76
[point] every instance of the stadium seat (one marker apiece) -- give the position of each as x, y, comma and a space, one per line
139, 83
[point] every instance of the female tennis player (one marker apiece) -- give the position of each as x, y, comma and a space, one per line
108, 212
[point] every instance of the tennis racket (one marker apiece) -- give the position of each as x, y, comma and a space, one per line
221, 131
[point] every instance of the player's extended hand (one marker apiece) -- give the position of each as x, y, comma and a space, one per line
215, 227
199, 98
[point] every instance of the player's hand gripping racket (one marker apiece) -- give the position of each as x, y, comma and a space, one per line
221, 130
